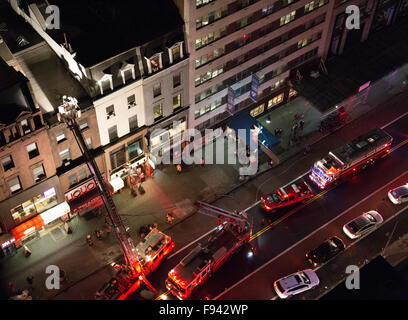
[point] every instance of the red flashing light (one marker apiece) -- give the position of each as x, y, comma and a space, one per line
386, 145
245, 36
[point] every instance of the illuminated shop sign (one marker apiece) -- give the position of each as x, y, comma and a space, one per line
79, 191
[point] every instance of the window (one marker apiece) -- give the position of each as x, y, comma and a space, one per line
110, 112
133, 123
267, 10
177, 80
7, 163
156, 90
88, 142
65, 155
276, 100
83, 124
176, 52
82, 175
39, 173
113, 133
131, 101
25, 126
258, 110
135, 149
32, 150
155, 62
158, 111
72, 179
176, 101
14, 185
288, 18
117, 157
60, 137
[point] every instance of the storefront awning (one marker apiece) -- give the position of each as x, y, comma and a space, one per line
86, 202
27, 227
246, 121
117, 184
55, 212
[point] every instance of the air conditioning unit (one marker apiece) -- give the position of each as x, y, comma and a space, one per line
130, 105
66, 162
110, 115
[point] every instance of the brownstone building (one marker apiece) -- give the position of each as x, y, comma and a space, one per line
29, 186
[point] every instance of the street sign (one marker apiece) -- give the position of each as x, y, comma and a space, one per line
254, 87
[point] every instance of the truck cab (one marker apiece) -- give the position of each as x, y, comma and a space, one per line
286, 196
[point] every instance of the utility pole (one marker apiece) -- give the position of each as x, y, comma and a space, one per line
69, 111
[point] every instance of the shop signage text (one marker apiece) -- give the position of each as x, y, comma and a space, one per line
79, 191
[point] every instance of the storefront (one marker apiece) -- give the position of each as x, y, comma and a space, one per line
7, 244
84, 198
31, 228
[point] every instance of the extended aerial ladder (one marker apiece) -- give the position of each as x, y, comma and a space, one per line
68, 113
237, 219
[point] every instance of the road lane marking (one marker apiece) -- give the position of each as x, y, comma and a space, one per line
308, 236
395, 120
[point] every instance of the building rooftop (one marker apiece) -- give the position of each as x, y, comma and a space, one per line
17, 34
98, 30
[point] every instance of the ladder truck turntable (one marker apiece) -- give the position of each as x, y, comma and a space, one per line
138, 261
286, 196
351, 157
199, 264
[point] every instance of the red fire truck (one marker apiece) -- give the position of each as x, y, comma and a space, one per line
351, 157
150, 251
206, 258
286, 196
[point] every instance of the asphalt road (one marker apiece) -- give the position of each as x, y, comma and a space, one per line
293, 231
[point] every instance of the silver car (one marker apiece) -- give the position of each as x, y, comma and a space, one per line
399, 195
296, 283
362, 224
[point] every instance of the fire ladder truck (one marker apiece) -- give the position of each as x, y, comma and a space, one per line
233, 231
133, 273
351, 157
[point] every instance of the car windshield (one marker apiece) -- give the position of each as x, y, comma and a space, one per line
276, 197
353, 226
370, 217
401, 191
305, 277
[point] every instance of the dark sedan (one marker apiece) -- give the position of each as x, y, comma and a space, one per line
325, 251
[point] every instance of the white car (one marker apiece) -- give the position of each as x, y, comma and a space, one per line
399, 195
362, 224
296, 283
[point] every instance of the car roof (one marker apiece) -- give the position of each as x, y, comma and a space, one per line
290, 281
400, 191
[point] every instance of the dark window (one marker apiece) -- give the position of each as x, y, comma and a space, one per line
25, 126
39, 173
110, 112
32, 150
14, 185
113, 133
176, 80
7, 163
156, 90
117, 157
60, 137
133, 123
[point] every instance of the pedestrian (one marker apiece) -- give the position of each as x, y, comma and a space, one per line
107, 229
12, 288
89, 240
169, 218
178, 168
301, 124
30, 280
99, 233
276, 131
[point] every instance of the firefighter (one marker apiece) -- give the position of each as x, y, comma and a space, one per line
169, 218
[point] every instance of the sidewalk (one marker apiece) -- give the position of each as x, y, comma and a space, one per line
167, 192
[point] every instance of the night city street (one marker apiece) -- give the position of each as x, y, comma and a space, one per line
217, 156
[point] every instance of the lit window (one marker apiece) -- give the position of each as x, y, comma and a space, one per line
60, 137
65, 155
25, 126
288, 18
14, 185
176, 101
276, 100
88, 142
39, 173
7, 163
258, 110
83, 124
32, 150
158, 111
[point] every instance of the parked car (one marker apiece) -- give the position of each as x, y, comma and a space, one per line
326, 251
296, 283
362, 224
399, 195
